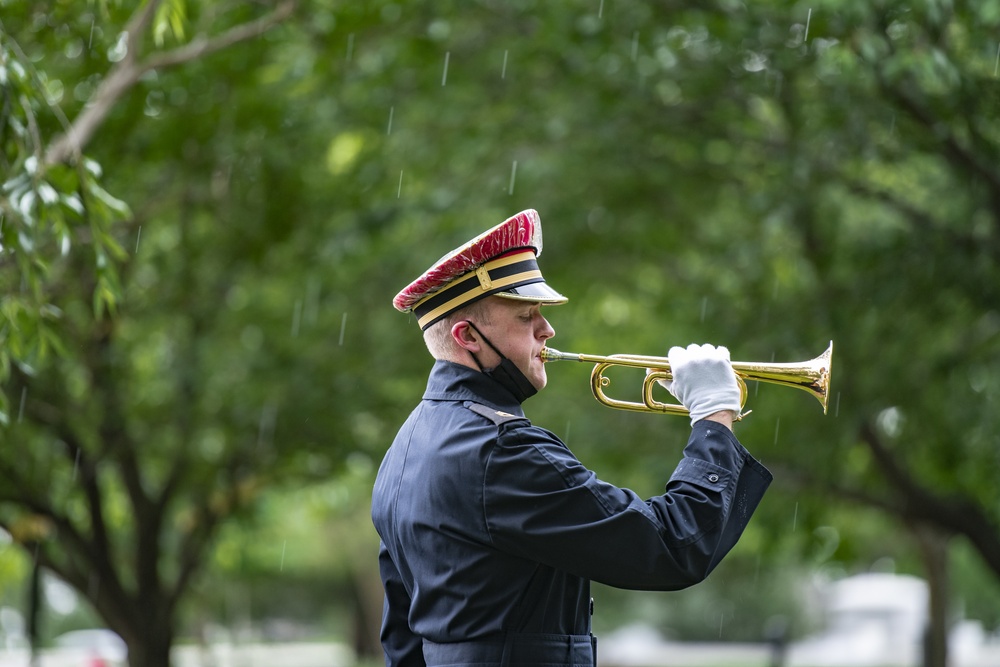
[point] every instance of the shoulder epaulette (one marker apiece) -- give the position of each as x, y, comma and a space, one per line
498, 417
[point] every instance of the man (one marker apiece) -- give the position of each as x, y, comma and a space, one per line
491, 529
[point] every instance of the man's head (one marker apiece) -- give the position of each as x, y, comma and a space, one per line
484, 297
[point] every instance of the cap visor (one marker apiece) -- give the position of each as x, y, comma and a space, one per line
536, 292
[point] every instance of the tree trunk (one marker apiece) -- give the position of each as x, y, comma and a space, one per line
934, 551
147, 656
366, 589
151, 649
35, 612
148, 632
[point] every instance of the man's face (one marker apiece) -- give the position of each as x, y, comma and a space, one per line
519, 331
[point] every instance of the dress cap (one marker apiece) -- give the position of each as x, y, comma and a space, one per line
501, 262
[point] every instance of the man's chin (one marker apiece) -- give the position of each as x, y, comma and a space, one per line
539, 380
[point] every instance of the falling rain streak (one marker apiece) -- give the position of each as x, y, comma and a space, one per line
513, 176
350, 47
805, 37
281, 567
996, 67
503, 70
137, 237
388, 130
444, 74
399, 188
20, 411
343, 327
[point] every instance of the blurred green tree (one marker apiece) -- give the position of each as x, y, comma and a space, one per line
765, 177
116, 492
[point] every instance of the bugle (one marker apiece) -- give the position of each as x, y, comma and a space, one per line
812, 376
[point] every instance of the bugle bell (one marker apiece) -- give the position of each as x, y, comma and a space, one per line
812, 376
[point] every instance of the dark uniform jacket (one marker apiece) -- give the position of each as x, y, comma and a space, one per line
491, 529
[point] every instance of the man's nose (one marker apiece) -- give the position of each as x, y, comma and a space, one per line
545, 331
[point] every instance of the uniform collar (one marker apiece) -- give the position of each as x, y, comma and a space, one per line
449, 381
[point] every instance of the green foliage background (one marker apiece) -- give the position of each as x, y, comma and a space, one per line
768, 177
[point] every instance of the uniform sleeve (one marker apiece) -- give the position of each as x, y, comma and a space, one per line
402, 648
541, 503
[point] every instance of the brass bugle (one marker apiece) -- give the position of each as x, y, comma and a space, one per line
812, 376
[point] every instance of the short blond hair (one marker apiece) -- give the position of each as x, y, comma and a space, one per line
437, 337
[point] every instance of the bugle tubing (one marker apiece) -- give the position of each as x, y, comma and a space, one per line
812, 376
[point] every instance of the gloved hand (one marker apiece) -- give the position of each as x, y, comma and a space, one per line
703, 380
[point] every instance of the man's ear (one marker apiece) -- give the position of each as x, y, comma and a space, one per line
466, 336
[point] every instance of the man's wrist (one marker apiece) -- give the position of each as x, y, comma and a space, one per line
724, 417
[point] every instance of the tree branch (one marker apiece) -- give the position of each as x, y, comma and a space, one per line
127, 72
74, 571
910, 502
42, 410
960, 156
954, 514
88, 475
202, 45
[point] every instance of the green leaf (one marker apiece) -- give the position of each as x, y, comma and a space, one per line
171, 16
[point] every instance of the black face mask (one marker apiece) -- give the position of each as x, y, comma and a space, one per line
507, 374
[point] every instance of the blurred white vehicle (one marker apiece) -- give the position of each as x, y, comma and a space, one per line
92, 648
875, 620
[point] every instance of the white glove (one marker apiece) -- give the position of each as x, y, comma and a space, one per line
703, 380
